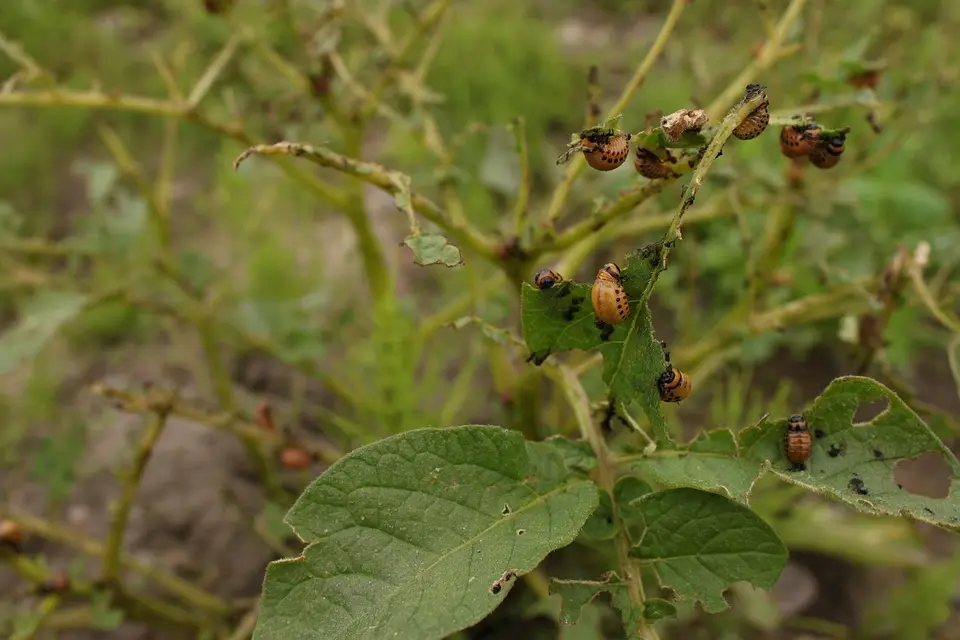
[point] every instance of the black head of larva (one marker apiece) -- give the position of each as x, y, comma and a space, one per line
667, 376
545, 278
796, 424
612, 270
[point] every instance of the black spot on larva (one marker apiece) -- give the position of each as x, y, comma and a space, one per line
818, 433
878, 454
835, 450
929, 510
899, 486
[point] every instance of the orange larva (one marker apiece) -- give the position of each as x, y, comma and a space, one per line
828, 151
295, 458
674, 385
649, 165
605, 151
609, 299
755, 123
10, 534
545, 278
797, 442
799, 141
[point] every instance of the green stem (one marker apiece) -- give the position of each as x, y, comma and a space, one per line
386, 180
579, 402
576, 166
770, 54
733, 119
118, 526
223, 388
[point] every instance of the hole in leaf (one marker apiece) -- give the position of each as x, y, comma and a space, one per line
506, 510
867, 411
520, 532
926, 475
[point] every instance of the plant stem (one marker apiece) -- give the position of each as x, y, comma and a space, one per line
223, 388
627, 203
562, 191
605, 478
389, 181
523, 193
118, 526
247, 624
76, 540
636, 226
733, 119
770, 54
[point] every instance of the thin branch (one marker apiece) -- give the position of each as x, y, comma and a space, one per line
771, 53
523, 194
213, 71
605, 477
386, 180
562, 191
118, 525
627, 203
426, 20
227, 422
637, 226
751, 101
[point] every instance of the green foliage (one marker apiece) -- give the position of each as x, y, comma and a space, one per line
854, 462
700, 543
562, 318
421, 526
433, 248
125, 231
42, 317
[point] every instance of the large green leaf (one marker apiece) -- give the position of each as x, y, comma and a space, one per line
700, 543
562, 318
855, 462
41, 319
419, 535
711, 463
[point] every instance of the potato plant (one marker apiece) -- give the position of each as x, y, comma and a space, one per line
504, 360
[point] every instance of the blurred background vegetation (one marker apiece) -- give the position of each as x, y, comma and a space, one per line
133, 255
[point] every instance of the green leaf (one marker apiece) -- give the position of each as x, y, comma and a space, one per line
700, 543
41, 319
628, 489
103, 617
55, 461
577, 454
601, 525
408, 536
562, 318
658, 609
855, 463
577, 594
710, 463
494, 334
432, 248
